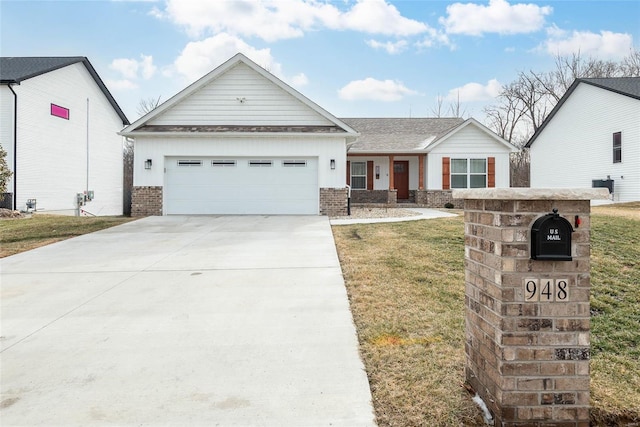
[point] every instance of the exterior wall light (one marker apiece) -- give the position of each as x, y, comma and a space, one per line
147, 164
332, 163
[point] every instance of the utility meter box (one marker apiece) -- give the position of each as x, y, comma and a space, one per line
551, 238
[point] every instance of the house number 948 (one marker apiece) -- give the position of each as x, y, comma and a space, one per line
546, 290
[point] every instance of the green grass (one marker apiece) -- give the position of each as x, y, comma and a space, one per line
406, 287
19, 235
615, 320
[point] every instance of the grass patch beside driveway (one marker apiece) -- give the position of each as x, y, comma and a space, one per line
23, 234
406, 287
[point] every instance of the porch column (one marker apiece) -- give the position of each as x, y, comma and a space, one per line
391, 183
421, 172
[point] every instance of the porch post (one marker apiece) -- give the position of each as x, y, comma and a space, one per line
391, 183
421, 172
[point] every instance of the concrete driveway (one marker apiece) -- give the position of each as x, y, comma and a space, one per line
199, 321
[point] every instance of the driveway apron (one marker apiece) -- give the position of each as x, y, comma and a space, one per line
182, 320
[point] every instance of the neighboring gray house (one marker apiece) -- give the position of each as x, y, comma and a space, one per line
59, 124
420, 160
591, 137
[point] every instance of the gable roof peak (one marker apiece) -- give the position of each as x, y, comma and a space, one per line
217, 72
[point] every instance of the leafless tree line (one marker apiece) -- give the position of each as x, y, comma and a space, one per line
524, 103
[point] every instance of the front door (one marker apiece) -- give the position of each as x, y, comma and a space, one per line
401, 179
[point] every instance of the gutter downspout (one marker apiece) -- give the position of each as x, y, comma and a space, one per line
15, 144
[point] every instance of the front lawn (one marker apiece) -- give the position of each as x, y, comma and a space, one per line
23, 234
406, 287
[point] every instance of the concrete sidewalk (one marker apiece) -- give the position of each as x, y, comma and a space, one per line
229, 321
423, 213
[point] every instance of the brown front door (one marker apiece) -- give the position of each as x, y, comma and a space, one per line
401, 179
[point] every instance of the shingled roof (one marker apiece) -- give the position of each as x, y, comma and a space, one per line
397, 135
14, 70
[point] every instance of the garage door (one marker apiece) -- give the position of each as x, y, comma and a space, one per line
207, 185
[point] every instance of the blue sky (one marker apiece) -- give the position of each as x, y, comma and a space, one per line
365, 58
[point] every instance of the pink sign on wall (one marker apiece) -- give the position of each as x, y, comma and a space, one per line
59, 111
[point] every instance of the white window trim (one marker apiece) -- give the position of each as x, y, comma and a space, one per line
468, 173
358, 176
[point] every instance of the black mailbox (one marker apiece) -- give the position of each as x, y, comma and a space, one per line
551, 238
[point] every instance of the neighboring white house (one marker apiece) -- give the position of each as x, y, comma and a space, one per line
239, 141
591, 138
59, 124
421, 159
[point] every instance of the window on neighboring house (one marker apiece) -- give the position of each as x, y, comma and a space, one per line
359, 175
59, 111
468, 173
617, 147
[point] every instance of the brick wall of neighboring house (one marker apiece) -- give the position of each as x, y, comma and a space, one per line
528, 358
333, 201
146, 201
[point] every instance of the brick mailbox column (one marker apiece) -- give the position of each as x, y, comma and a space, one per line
527, 320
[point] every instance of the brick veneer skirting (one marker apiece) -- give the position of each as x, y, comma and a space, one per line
146, 201
333, 201
437, 199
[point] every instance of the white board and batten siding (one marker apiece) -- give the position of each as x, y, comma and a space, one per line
468, 143
240, 96
52, 151
576, 146
7, 102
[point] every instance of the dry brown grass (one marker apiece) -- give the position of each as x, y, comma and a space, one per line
20, 235
629, 210
406, 286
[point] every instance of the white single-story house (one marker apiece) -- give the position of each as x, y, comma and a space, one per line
58, 125
420, 160
239, 141
591, 139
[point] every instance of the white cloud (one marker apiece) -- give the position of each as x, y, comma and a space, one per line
392, 48
119, 85
380, 17
200, 57
605, 45
273, 20
475, 92
299, 80
496, 17
434, 37
375, 90
129, 67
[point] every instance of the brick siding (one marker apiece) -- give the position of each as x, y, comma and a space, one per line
146, 201
333, 201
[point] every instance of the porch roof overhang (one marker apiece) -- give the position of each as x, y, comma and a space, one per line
385, 153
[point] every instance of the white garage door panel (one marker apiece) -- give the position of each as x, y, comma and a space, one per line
241, 189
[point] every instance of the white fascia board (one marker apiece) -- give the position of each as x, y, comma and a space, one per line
230, 134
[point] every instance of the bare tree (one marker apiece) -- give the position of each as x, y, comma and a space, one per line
437, 110
524, 104
146, 105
